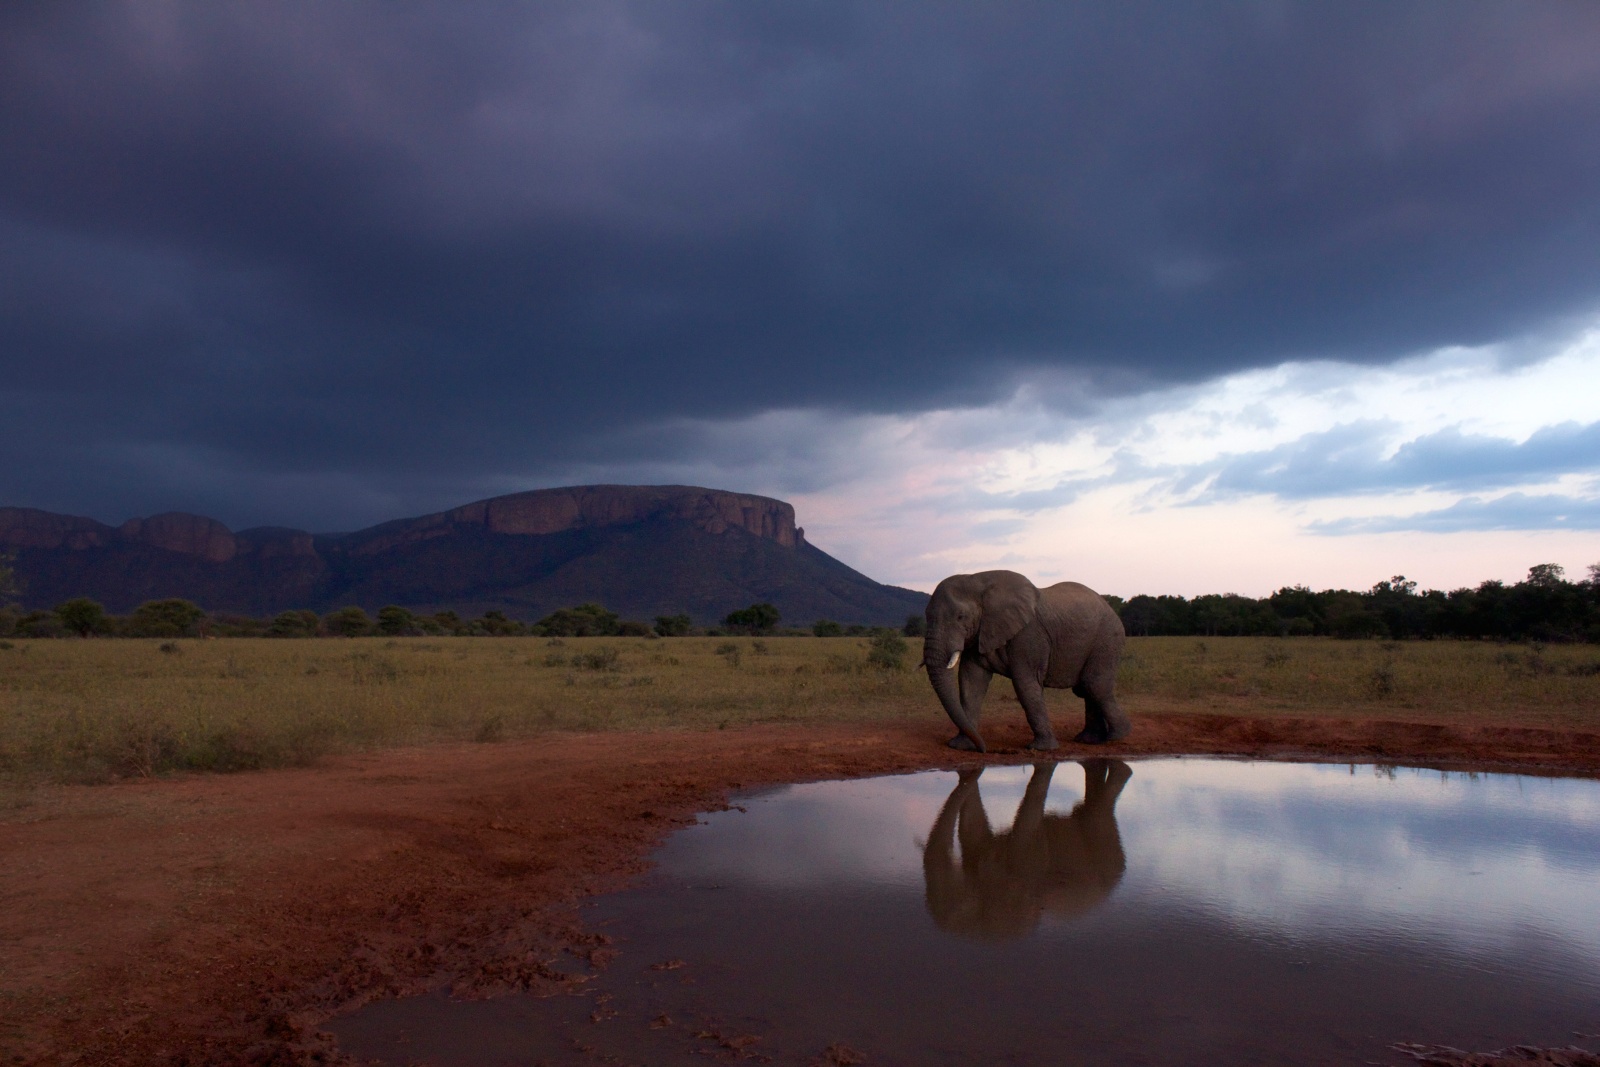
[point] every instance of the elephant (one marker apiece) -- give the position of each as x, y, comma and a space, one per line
1064, 865
996, 622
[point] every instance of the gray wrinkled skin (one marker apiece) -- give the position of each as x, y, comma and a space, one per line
1062, 637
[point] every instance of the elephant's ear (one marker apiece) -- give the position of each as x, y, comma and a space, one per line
1010, 603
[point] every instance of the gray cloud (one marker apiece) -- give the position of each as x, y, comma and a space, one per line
1353, 460
330, 263
1514, 511
1350, 459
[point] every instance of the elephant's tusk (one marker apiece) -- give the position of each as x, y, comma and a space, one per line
955, 657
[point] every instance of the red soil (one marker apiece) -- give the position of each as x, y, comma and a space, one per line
220, 919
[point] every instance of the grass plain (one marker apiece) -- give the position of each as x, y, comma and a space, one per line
94, 710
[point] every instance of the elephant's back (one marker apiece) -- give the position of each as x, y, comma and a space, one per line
1081, 606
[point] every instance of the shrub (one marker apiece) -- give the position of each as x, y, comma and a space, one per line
827, 628
585, 620
635, 629
673, 625
165, 618
40, 624
888, 650
396, 621
347, 622
915, 626
757, 618
235, 626
294, 624
83, 616
1381, 683
495, 624
599, 659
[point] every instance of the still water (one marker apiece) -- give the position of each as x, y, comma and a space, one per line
1173, 911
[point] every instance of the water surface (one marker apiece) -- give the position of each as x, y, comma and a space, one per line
1160, 912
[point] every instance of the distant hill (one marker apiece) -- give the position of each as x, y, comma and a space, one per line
641, 551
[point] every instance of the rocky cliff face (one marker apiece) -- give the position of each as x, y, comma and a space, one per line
641, 550
551, 511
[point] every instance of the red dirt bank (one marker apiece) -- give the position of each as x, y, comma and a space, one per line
219, 919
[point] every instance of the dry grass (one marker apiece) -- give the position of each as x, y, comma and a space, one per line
1426, 681
90, 710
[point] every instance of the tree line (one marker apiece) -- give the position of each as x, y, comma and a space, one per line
1545, 606
175, 617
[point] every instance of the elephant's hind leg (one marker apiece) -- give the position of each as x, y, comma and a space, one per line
1103, 718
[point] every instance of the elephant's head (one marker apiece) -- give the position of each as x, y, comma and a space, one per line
972, 614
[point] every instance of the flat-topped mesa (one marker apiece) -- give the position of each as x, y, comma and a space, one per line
548, 511
192, 535
640, 550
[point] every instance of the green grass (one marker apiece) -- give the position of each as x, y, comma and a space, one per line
75, 710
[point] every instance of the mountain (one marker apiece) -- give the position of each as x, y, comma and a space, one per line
641, 551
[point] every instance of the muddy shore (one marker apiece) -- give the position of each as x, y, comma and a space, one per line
221, 919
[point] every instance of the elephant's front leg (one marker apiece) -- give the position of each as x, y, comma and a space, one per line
1030, 694
974, 681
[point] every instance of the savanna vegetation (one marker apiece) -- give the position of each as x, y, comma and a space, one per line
1545, 606
92, 710
84, 617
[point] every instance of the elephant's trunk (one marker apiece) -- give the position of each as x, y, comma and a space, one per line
944, 686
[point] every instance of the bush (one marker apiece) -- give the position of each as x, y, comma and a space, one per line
495, 624
599, 659
165, 618
635, 629
757, 618
585, 620
347, 622
235, 626
673, 625
84, 617
915, 626
827, 628
396, 621
888, 651
294, 624
444, 622
40, 624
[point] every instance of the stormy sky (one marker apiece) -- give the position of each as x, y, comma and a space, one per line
1176, 296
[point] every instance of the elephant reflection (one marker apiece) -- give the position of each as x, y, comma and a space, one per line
1065, 865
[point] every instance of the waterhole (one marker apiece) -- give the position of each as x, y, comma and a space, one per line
1174, 911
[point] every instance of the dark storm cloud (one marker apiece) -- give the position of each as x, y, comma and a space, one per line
359, 259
